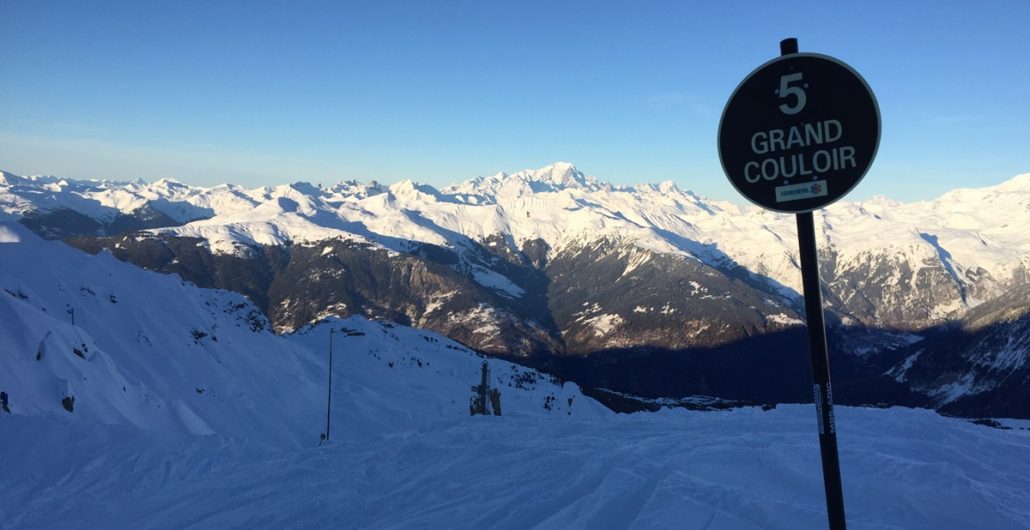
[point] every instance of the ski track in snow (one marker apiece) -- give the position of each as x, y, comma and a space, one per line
674, 469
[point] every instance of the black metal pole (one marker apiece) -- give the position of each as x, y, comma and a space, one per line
822, 390
329, 406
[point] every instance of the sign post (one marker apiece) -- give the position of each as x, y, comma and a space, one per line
329, 399
796, 135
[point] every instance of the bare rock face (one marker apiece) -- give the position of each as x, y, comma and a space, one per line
979, 365
883, 288
426, 288
491, 304
611, 295
585, 299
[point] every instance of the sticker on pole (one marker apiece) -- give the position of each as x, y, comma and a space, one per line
799, 133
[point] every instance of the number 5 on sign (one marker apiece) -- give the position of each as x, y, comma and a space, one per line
796, 91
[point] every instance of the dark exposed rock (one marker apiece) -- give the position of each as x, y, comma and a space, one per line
190, 258
977, 366
62, 223
608, 296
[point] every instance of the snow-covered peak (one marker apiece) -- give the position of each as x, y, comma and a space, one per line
1017, 183
410, 190
560, 175
556, 177
668, 186
168, 183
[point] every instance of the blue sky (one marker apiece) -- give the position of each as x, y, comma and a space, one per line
258, 93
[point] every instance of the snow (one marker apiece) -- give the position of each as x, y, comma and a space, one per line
900, 373
902, 469
784, 320
604, 324
963, 386
437, 300
635, 260
1009, 358
8, 236
492, 280
482, 320
186, 415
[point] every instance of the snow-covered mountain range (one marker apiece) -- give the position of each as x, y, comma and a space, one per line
552, 261
976, 236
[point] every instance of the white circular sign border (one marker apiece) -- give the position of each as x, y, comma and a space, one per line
876, 107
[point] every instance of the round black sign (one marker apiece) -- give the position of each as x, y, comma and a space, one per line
799, 132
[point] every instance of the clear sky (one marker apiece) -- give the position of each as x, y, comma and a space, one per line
258, 93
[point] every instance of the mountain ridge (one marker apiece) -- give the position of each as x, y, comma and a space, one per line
664, 219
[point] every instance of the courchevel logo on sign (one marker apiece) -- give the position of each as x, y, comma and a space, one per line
806, 190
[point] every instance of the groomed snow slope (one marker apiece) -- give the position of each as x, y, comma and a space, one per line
740, 469
144, 448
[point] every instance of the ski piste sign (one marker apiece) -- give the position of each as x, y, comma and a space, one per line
799, 132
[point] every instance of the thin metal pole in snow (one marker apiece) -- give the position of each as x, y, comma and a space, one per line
329, 406
823, 392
